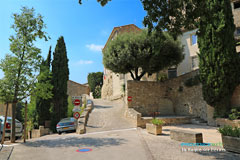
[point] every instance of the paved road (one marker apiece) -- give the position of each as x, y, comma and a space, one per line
107, 115
112, 137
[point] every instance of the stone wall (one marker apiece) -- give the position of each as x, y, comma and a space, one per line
76, 89
107, 88
171, 97
236, 13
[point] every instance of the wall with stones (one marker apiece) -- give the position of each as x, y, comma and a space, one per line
76, 89
236, 13
171, 97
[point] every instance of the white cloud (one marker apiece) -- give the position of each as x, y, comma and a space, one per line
82, 62
94, 47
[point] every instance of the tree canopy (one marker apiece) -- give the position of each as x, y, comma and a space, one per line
141, 53
219, 62
21, 66
95, 79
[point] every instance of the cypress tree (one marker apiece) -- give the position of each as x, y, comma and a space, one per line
60, 77
43, 104
219, 62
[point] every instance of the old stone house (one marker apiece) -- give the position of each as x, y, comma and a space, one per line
77, 89
113, 83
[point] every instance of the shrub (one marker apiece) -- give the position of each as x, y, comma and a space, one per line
157, 121
235, 114
161, 77
230, 131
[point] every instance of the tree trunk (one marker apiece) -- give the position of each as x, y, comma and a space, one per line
25, 123
4, 125
13, 125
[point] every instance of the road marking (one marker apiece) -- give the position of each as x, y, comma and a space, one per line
10, 145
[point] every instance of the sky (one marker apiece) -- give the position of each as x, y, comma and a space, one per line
85, 28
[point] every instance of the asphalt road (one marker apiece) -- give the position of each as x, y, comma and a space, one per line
111, 137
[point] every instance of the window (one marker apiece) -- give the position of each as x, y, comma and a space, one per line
236, 5
194, 39
172, 73
121, 76
195, 62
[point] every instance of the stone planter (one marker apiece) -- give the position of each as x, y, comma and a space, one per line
154, 129
231, 143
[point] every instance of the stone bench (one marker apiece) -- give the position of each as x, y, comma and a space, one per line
186, 136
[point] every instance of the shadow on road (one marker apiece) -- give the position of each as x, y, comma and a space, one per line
76, 142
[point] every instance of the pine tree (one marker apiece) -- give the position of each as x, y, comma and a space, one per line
60, 77
219, 62
43, 104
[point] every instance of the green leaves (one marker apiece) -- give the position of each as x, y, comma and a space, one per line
21, 66
219, 62
129, 52
95, 82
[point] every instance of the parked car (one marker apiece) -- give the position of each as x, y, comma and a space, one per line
19, 127
89, 102
66, 125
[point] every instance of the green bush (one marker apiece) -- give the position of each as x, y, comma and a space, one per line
235, 114
161, 77
230, 131
157, 121
192, 81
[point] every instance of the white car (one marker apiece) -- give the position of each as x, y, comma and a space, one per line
19, 127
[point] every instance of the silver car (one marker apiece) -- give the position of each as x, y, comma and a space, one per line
19, 127
66, 125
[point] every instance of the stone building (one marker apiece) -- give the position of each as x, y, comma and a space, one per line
113, 84
236, 16
76, 89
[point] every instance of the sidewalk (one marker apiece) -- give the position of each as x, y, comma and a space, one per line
162, 147
5, 152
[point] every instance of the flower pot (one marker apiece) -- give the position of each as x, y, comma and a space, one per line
154, 129
231, 143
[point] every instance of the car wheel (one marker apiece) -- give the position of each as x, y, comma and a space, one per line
59, 133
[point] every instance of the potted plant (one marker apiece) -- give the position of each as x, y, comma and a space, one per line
230, 138
155, 127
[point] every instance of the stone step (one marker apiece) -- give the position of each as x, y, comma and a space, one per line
198, 121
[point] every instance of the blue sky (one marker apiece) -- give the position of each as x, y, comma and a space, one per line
85, 28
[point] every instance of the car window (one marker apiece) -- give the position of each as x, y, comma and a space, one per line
65, 120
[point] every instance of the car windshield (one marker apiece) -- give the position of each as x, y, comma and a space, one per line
67, 120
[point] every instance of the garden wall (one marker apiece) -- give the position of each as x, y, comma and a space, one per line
171, 97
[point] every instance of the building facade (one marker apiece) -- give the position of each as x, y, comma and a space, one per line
76, 89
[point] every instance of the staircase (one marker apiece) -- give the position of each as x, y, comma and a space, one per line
198, 121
